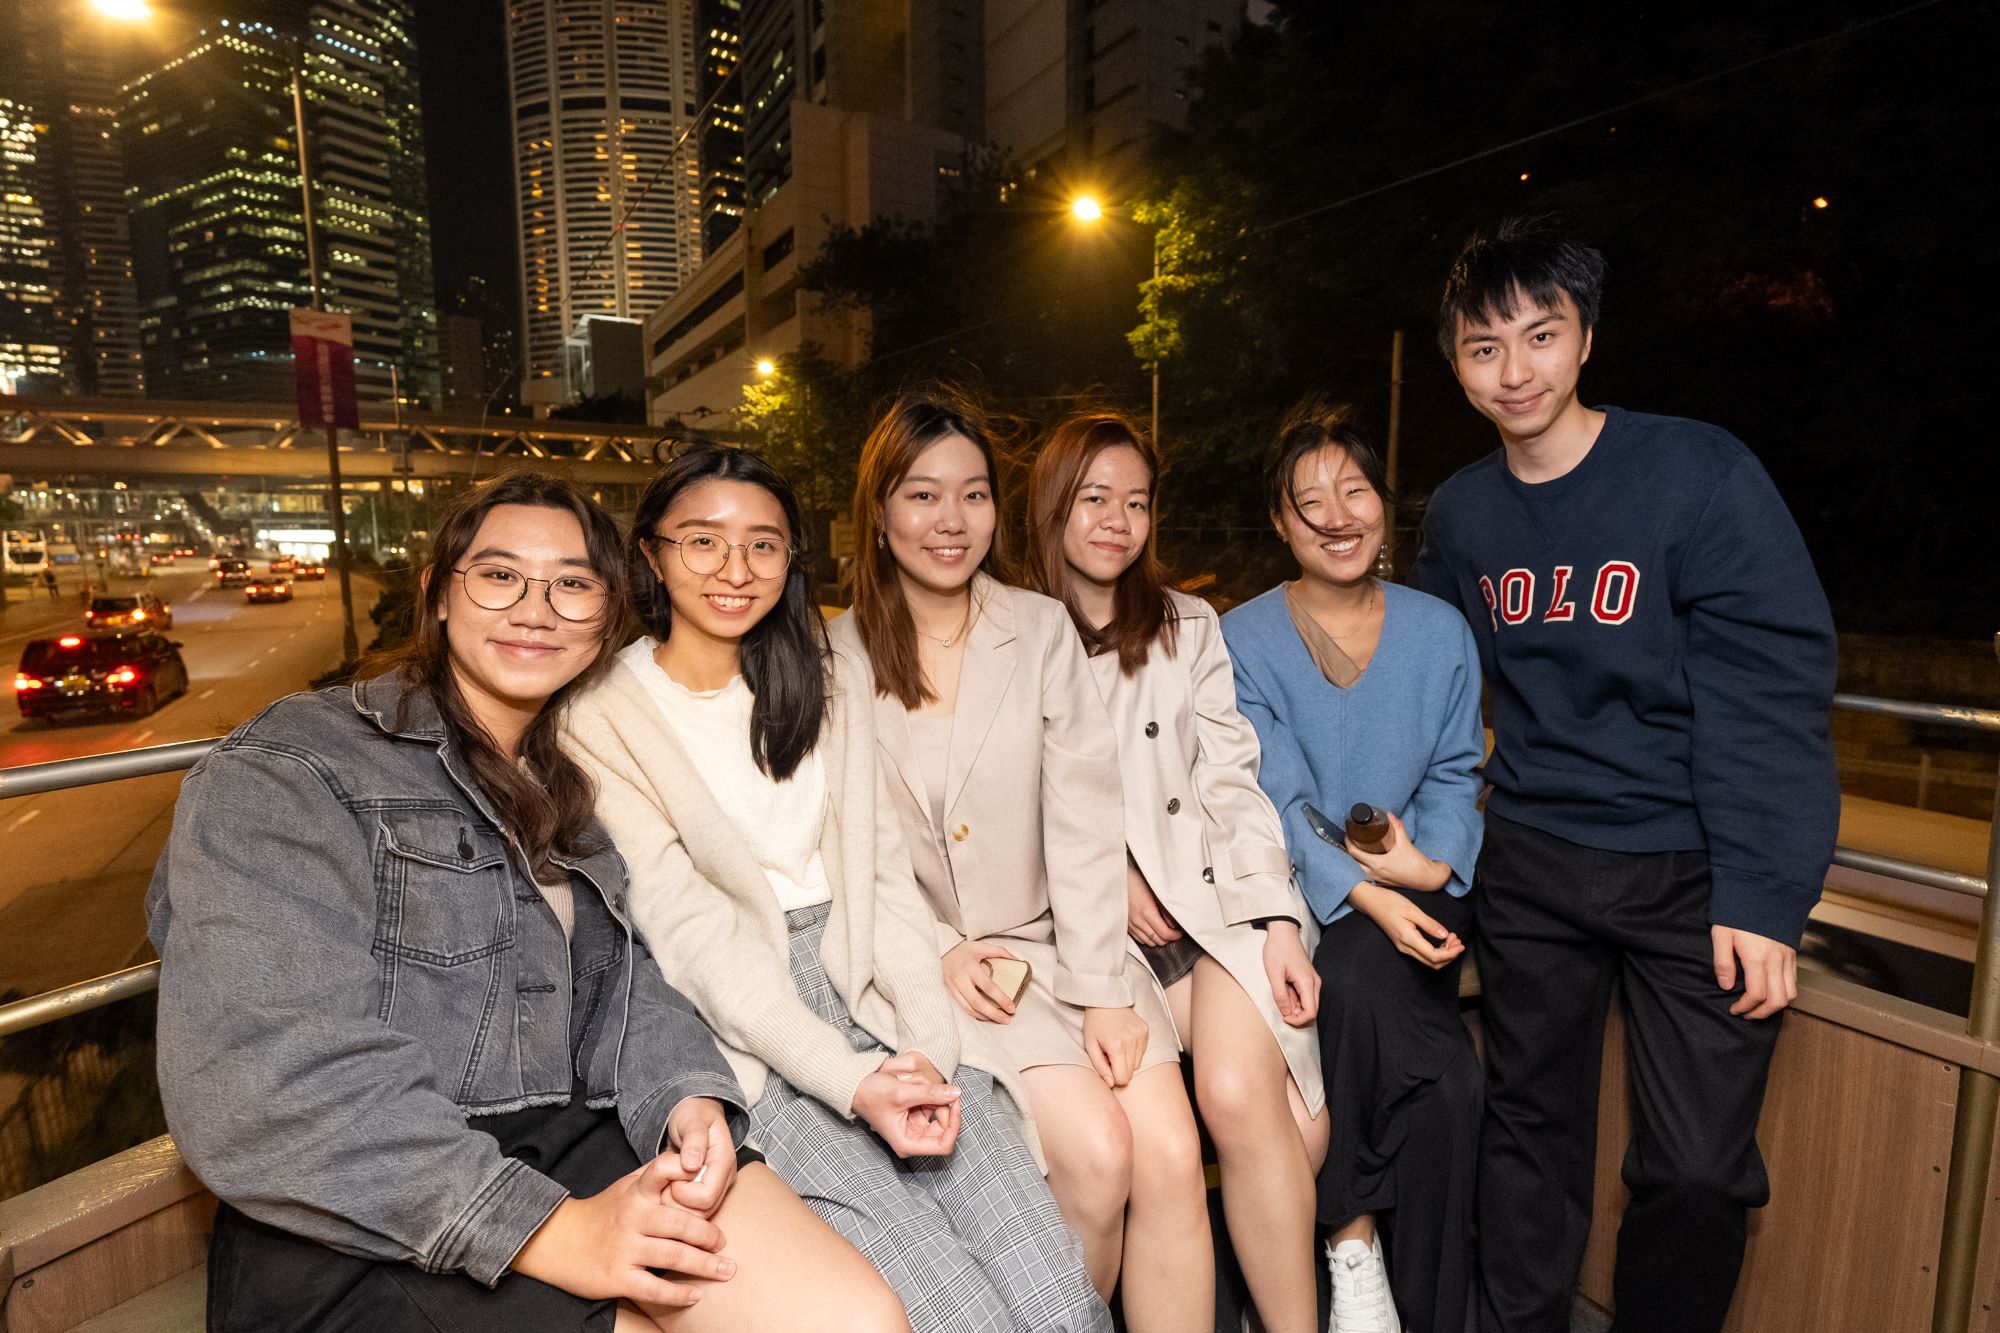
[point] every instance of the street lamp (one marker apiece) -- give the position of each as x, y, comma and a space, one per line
139, 11
1088, 209
766, 367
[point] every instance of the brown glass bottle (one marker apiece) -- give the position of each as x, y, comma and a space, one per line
1368, 829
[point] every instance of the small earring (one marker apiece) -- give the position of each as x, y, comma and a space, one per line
882, 541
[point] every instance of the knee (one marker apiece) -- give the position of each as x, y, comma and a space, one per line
1167, 1155
1091, 1164
1234, 1104
876, 1311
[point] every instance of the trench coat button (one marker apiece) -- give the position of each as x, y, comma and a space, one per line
1152, 730
1208, 874
960, 833
1174, 806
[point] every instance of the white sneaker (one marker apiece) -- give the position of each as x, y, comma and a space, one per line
1361, 1300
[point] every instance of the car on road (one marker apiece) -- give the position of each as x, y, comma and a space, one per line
231, 572
309, 572
268, 590
126, 671
183, 552
162, 557
129, 610
284, 564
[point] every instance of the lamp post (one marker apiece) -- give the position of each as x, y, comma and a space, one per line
139, 11
1089, 210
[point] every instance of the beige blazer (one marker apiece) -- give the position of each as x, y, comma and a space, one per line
1049, 869
706, 910
1198, 826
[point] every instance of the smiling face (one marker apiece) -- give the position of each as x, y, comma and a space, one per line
508, 662
1521, 373
1336, 530
939, 518
1109, 517
739, 519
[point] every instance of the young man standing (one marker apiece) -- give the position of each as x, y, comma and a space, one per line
1664, 803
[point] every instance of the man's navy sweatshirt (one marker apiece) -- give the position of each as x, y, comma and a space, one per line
1660, 654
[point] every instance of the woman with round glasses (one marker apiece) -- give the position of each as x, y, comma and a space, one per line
405, 1033
737, 773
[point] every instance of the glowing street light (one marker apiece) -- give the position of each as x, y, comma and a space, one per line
127, 11
1088, 209
766, 367
1821, 201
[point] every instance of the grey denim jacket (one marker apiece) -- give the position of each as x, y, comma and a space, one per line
355, 965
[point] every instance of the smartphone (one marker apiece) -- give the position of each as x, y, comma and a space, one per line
1012, 974
1327, 830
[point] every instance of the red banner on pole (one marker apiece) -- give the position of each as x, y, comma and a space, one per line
323, 367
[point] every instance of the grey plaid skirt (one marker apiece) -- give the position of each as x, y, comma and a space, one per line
971, 1243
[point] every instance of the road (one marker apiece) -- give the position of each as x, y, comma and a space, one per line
74, 864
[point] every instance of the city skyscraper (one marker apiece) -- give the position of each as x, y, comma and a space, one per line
30, 358
59, 76
719, 142
217, 218
605, 95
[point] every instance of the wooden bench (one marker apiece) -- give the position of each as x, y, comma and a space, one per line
120, 1246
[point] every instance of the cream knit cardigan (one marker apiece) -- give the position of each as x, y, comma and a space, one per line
701, 900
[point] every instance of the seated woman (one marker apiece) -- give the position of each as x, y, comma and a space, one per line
404, 1031
1364, 691
1208, 879
1003, 770
770, 876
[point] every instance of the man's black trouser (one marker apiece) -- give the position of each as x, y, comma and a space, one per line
1558, 924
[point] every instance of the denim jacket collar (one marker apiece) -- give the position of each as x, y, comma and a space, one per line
388, 701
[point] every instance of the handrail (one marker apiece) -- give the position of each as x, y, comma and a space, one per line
1950, 715
91, 769
64, 1001
1895, 867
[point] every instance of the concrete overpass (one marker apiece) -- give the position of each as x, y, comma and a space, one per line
42, 439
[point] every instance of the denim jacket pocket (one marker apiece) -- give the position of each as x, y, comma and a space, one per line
443, 889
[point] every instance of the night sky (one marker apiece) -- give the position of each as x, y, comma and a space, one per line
462, 59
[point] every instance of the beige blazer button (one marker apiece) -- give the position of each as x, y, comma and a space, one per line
1152, 730
959, 834
1174, 806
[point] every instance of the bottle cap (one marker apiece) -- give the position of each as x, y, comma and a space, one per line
1364, 813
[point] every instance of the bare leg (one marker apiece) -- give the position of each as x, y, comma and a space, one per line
1253, 1114
793, 1272
1169, 1266
1089, 1150
1361, 1228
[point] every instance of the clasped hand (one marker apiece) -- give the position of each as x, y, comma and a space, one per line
909, 1104
610, 1245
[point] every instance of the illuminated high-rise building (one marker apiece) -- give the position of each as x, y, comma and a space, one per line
58, 77
217, 218
719, 140
30, 357
608, 180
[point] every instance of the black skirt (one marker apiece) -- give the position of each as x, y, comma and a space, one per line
263, 1280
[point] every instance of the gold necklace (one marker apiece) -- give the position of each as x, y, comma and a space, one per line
1366, 609
963, 626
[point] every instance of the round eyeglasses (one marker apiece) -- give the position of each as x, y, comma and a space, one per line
704, 553
497, 587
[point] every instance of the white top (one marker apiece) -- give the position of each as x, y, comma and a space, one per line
779, 821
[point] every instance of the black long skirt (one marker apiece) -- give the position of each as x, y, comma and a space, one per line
264, 1280
1403, 1090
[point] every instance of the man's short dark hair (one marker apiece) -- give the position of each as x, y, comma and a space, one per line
1525, 259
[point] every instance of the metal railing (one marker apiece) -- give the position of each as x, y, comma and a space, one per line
1978, 1092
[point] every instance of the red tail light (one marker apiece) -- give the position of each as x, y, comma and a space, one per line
122, 676
22, 684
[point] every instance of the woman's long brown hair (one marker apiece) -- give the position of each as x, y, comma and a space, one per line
1141, 610
546, 800
914, 422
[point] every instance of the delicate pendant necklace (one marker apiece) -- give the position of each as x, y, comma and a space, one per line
1366, 608
956, 634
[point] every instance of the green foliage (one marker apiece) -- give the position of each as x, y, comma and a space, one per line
10, 509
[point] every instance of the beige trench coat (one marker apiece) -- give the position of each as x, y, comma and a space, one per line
1031, 854
1199, 828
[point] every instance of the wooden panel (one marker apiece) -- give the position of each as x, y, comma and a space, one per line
1856, 1135
93, 1278
55, 1218
1986, 1286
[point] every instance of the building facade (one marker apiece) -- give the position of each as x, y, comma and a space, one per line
610, 196
207, 130
719, 139
59, 79
31, 357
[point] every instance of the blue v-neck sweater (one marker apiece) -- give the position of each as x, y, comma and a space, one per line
1405, 737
